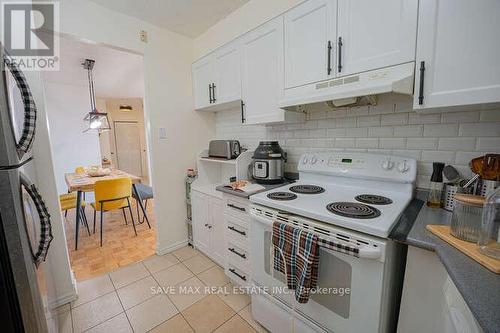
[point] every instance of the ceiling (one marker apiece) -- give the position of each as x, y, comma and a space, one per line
187, 17
117, 74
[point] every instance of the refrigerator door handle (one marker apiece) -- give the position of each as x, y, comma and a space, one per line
28, 134
45, 224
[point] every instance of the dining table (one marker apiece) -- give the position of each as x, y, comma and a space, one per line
82, 182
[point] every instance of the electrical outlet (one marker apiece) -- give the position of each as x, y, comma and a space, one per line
162, 133
143, 35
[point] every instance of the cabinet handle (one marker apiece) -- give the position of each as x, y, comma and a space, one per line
238, 231
236, 207
339, 55
213, 92
329, 55
206, 225
243, 277
244, 256
242, 112
210, 93
421, 88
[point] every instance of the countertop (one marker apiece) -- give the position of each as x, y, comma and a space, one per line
479, 287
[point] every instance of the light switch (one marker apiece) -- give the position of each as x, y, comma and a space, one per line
162, 133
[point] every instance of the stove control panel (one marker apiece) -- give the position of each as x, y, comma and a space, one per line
360, 165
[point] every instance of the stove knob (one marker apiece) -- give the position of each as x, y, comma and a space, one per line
387, 165
305, 160
314, 160
403, 167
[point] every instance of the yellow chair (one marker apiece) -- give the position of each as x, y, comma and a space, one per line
113, 194
67, 202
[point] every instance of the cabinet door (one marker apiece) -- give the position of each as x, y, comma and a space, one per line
217, 230
375, 34
262, 73
458, 45
227, 73
201, 232
203, 77
310, 31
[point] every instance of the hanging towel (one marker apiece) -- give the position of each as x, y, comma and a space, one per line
296, 254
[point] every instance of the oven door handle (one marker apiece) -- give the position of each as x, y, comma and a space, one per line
368, 252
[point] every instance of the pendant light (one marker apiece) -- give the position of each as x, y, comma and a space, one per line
96, 120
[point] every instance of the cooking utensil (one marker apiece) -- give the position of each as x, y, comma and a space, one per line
476, 165
491, 167
471, 181
451, 174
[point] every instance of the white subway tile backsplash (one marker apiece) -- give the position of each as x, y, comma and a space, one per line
490, 115
394, 119
480, 129
390, 127
489, 144
457, 144
422, 143
369, 121
438, 156
440, 130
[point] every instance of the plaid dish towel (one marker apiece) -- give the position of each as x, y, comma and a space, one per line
296, 254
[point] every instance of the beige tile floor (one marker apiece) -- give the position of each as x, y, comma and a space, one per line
160, 294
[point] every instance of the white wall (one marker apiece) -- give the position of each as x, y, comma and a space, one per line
66, 106
242, 20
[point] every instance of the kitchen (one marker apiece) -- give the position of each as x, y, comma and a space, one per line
348, 110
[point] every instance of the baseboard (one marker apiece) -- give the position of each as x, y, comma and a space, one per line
168, 249
68, 297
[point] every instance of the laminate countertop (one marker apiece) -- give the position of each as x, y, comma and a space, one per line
479, 287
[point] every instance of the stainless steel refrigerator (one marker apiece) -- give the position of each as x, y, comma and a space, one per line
25, 231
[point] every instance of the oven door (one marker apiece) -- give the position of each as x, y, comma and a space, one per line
337, 309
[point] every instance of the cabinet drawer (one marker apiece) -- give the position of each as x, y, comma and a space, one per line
237, 275
236, 208
237, 255
236, 231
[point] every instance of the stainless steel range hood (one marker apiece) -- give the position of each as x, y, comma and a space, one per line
350, 90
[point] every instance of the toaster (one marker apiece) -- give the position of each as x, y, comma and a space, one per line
228, 149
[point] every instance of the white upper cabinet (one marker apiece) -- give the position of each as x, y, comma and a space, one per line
310, 34
216, 77
203, 77
262, 73
375, 34
458, 53
227, 73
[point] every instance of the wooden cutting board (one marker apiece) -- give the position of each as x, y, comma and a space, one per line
470, 249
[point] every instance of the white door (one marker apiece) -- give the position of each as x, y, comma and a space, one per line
262, 73
458, 45
201, 232
128, 147
227, 73
375, 34
217, 231
310, 31
203, 78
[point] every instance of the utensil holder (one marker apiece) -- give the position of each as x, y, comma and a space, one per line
449, 190
485, 187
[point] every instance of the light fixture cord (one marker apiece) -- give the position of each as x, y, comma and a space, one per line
91, 88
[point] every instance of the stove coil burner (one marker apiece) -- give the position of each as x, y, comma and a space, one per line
283, 196
373, 199
353, 209
307, 189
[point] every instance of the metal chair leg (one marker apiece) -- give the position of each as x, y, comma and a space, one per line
137, 209
102, 220
130, 210
66, 213
124, 215
85, 222
146, 209
95, 213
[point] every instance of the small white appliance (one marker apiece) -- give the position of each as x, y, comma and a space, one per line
352, 199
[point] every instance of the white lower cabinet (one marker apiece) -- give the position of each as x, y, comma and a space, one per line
430, 301
208, 226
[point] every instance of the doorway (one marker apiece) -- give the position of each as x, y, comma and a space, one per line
128, 148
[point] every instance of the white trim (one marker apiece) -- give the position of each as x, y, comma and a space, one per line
173, 247
68, 298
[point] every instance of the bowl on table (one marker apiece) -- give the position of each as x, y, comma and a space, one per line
98, 172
